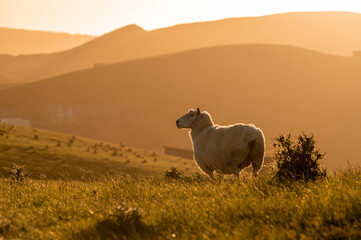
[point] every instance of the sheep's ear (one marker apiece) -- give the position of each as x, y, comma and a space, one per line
198, 111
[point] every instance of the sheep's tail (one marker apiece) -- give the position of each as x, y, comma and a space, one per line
257, 153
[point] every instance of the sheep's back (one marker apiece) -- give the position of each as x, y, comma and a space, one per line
217, 140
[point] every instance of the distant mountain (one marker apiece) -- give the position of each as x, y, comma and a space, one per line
6, 79
278, 88
19, 41
329, 32
32, 67
4, 57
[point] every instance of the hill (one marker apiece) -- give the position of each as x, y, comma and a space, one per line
278, 88
329, 32
20, 41
56, 155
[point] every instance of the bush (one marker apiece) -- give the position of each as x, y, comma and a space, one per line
298, 160
173, 173
71, 141
17, 173
123, 223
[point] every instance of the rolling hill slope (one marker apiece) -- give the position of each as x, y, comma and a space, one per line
278, 88
330, 32
19, 41
55, 155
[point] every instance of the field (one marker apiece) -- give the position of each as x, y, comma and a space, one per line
77, 188
56, 155
182, 207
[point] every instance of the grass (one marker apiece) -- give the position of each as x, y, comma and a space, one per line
187, 207
77, 188
56, 155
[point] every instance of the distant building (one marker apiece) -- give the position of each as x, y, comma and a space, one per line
16, 121
179, 152
67, 114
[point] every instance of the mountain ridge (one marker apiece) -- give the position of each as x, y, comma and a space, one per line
285, 29
12, 41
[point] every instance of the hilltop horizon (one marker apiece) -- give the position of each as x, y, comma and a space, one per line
48, 31
167, 26
172, 24
13, 41
310, 30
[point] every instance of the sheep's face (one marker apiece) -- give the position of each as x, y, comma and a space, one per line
187, 120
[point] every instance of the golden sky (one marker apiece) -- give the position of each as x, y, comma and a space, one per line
97, 17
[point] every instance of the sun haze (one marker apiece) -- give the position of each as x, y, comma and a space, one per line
97, 17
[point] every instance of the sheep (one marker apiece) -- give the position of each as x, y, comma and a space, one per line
225, 149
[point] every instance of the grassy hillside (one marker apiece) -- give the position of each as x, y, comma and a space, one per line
192, 207
330, 32
54, 155
12, 41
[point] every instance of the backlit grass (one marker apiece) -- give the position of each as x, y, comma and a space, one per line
189, 207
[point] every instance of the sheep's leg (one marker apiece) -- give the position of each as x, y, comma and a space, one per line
257, 157
210, 174
209, 171
236, 173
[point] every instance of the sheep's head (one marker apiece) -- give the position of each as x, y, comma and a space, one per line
187, 120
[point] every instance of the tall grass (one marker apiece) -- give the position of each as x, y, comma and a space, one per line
186, 207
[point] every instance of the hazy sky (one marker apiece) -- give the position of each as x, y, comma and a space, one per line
100, 16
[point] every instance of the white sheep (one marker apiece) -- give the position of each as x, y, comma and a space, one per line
226, 149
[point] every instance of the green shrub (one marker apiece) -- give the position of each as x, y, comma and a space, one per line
123, 223
17, 173
298, 160
173, 173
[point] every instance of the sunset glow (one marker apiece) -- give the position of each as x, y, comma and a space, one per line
98, 17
